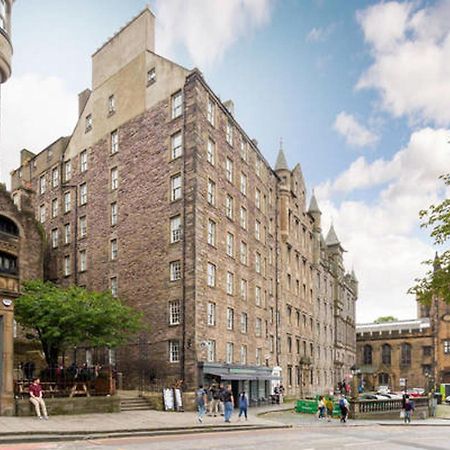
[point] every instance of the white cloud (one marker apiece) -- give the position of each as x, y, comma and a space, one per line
320, 34
207, 28
354, 133
382, 236
35, 112
410, 47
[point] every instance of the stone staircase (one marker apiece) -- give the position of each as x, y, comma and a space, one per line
134, 404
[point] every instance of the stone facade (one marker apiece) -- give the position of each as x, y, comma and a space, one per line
170, 204
21, 258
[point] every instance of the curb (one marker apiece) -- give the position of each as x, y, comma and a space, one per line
54, 436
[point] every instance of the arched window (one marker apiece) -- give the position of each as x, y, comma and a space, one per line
7, 226
8, 264
386, 354
405, 359
383, 379
367, 355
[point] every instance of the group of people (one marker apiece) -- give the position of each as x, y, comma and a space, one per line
325, 408
219, 399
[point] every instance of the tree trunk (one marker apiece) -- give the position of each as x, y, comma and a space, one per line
51, 352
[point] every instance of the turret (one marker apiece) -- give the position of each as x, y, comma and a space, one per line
334, 248
316, 214
283, 172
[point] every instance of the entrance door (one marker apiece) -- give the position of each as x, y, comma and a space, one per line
235, 389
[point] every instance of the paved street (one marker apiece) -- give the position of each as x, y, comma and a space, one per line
308, 437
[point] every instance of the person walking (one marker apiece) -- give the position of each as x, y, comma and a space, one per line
221, 396
321, 408
343, 405
215, 400
200, 401
243, 405
36, 399
228, 403
409, 408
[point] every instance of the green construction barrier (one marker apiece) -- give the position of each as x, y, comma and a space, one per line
310, 407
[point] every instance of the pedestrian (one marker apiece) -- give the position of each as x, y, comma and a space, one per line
222, 391
321, 408
329, 407
281, 393
243, 405
215, 400
409, 408
343, 406
200, 401
36, 399
228, 403
433, 404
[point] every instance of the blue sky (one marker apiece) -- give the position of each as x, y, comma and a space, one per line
356, 90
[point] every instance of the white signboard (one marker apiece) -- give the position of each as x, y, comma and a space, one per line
402, 382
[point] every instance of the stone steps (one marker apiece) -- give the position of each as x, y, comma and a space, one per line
134, 404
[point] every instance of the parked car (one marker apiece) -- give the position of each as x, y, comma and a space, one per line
383, 389
391, 396
372, 397
416, 392
447, 400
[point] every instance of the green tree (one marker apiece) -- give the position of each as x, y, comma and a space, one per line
385, 319
66, 317
436, 282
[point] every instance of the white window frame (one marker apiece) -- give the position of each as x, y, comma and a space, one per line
151, 76
211, 111
211, 232
174, 351
114, 286
257, 230
230, 353
42, 213
175, 270
111, 104
229, 169
67, 202
258, 327
230, 283
83, 260
83, 194
55, 237
67, 266
114, 178
210, 350
229, 206
176, 145
211, 152
114, 142
211, 195
114, 213
211, 274
243, 217
83, 161
177, 104
88, 123
67, 170
244, 150
114, 249
243, 183
83, 226
243, 253
67, 233
174, 312
175, 187
244, 289
258, 264
230, 319
258, 198
243, 355
230, 245
258, 295
175, 229
211, 314
42, 184
55, 177
244, 323
55, 208
229, 132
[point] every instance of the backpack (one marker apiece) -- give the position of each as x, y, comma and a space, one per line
342, 403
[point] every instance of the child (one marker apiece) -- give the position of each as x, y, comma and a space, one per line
243, 404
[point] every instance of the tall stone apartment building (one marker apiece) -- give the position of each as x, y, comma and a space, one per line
162, 197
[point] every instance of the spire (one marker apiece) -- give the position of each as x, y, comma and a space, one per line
281, 163
313, 205
436, 262
332, 238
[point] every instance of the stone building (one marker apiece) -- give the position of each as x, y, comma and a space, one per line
162, 197
416, 350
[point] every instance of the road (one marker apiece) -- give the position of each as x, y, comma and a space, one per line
306, 438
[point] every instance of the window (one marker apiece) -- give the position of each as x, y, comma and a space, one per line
258, 327
67, 268
67, 233
229, 169
258, 167
386, 354
243, 289
229, 206
211, 275
211, 192
54, 208
88, 123
67, 202
176, 145
174, 351
243, 183
230, 283
447, 347
83, 261
113, 213
289, 344
83, 194
258, 356
230, 318
230, 351
114, 286
243, 253
175, 270
210, 350
211, 152
243, 354
175, 229
258, 198
229, 132
258, 295
55, 238
177, 104
111, 104
367, 355
83, 227
243, 218
114, 142
405, 357
42, 184
67, 170
151, 76
244, 154
230, 245
175, 187
211, 314
258, 262
114, 249
114, 178
258, 230
244, 323
42, 213
174, 312
83, 161
55, 177
211, 232
427, 350
211, 112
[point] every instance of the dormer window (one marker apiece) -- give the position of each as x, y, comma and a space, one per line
111, 104
88, 123
151, 76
